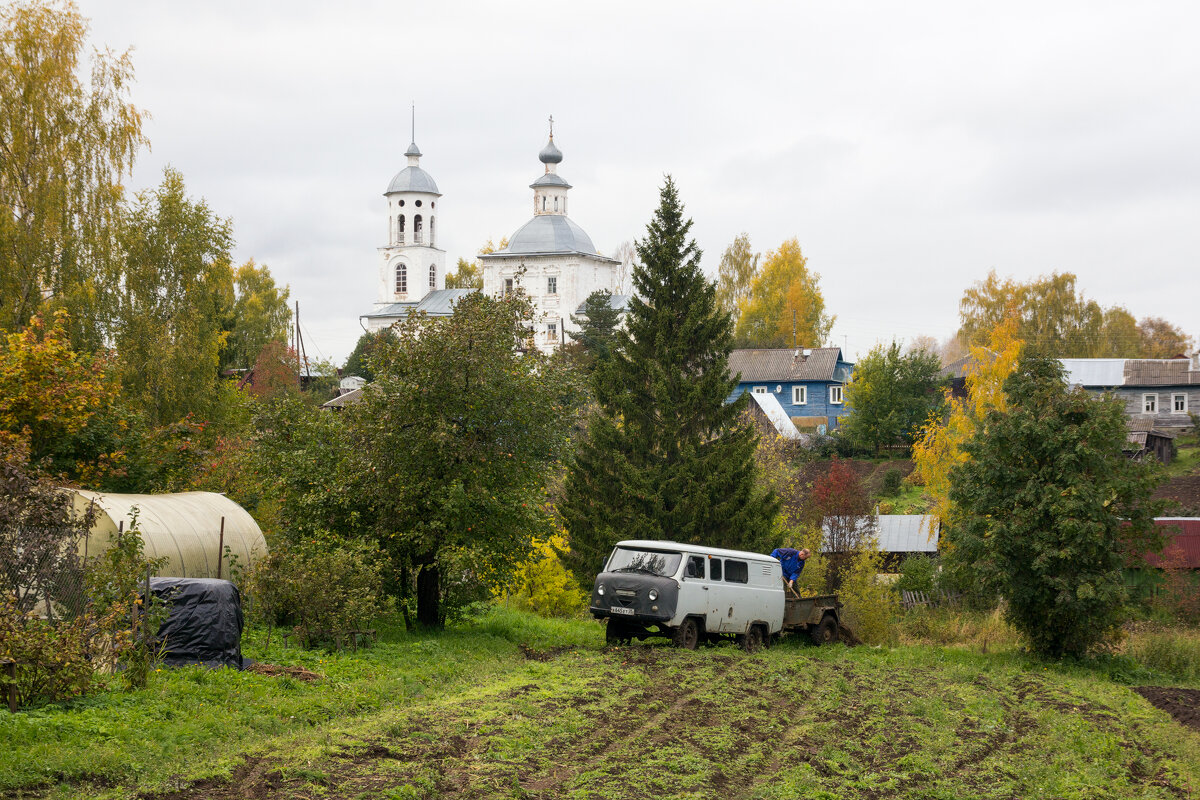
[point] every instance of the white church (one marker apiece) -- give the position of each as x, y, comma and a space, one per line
550, 258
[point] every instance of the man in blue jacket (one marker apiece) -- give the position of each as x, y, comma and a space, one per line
792, 561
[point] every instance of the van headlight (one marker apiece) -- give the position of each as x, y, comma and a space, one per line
600, 590
653, 595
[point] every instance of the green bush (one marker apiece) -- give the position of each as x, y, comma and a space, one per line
891, 483
326, 591
871, 605
54, 659
918, 574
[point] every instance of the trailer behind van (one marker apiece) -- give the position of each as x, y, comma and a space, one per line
690, 594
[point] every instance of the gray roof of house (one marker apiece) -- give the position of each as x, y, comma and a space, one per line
787, 364
343, 400
776, 415
1107, 373
438, 303
549, 233
1160, 372
413, 179
620, 302
902, 533
1094, 371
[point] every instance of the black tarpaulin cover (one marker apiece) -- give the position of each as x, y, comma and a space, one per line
204, 625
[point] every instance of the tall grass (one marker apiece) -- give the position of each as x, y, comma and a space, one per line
1174, 652
984, 631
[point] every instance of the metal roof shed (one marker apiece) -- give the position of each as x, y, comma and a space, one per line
185, 528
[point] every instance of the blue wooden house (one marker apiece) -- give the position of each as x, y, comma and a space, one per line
809, 383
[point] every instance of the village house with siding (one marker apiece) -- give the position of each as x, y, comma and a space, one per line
808, 383
1161, 393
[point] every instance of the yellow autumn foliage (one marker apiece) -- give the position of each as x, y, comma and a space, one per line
542, 584
939, 447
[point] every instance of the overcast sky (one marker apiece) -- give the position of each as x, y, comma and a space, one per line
909, 147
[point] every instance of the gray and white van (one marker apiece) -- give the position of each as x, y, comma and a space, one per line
688, 593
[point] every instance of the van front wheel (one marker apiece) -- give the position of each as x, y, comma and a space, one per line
687, 635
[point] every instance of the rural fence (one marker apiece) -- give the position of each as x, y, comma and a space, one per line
910, 600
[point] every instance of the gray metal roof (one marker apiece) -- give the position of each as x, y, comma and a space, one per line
550, 179
413, 179
549, 233
1097, 372
902, 533
776, 415
413, 150
786, 364
620, 302
440, 303
392, 310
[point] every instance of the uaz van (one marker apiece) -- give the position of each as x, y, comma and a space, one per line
688, 593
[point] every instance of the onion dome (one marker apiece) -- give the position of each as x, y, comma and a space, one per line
550, 153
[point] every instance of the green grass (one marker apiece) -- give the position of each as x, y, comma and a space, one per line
513, 706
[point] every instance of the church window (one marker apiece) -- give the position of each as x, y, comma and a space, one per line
432, 204
418, 204
552, 331
508, 285
432, 275
556, 204
402, 204
400, 229
401, 279
543, 204
552, 285
432, 240
418, 236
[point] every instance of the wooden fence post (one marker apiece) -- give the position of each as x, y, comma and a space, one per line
221, 549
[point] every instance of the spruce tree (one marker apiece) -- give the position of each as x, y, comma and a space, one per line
666, 457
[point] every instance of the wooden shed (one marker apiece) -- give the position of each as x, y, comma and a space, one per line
190, 529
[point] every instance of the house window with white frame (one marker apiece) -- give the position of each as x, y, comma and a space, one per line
552, 330
1150, 403
552, 285
759, 390
835, 395
1179, 403
799, 395
508, 285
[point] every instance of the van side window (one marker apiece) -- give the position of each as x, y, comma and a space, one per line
695, 567
736, 571
714, 570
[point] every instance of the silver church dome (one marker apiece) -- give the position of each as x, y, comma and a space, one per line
550, 233
413, 179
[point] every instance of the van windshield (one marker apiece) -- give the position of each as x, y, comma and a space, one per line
649, 561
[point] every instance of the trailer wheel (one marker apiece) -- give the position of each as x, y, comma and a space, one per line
687, 635
826, 630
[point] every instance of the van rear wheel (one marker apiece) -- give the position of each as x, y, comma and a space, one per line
687, 635
752, 639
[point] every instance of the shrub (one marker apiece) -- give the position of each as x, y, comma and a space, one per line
54, 660
891, 483
326, 591
870, 605
543, 585
918, 574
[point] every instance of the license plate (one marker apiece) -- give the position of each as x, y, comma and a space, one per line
621, 610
